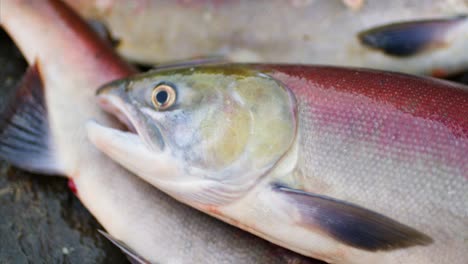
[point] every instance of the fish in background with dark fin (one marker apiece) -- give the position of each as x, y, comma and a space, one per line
311, 32
421, 39
406, 39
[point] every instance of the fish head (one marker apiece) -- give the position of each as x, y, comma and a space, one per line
203, 134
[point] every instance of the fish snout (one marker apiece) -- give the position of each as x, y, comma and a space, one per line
115, 87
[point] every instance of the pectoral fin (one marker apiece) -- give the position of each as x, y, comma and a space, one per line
351, 224
25, 139
133, 257
409, 38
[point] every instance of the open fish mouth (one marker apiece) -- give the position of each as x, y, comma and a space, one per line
115, 139
114, 101
114, 106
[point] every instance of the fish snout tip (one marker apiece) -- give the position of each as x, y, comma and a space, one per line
110, 87
104, 89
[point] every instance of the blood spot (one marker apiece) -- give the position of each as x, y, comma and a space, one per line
72, 186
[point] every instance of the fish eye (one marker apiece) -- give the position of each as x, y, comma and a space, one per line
163, 96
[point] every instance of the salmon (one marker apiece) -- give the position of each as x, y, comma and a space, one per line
341, 164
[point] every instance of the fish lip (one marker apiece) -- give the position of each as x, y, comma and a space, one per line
117, 106
108, 105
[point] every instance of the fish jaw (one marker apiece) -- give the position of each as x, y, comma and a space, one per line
115, 101
143, 153
110, 108
129, 150
135, 149
120, 144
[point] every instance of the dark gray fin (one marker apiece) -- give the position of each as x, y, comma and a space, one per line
133, 257
409, 38
25, 139
351, 224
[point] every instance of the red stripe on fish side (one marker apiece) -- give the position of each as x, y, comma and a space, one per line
421, 97
389, 116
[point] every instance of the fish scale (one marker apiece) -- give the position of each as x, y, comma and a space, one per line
356, 165
412, 166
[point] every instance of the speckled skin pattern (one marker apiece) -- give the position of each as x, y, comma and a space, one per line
392, 143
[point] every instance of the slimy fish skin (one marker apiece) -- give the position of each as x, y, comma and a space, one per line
345, 165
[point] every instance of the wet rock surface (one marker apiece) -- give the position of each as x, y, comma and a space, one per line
41, 221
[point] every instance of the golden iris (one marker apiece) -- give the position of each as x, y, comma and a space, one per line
163, 96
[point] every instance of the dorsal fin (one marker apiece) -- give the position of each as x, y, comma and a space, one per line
25, 139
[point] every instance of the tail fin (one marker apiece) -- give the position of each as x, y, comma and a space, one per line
25, 139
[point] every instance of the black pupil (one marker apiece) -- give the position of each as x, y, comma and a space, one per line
162, 96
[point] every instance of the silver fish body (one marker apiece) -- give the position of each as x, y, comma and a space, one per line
344, 165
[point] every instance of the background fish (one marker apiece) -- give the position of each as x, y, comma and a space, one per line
42, 130
317, 31
345, 165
